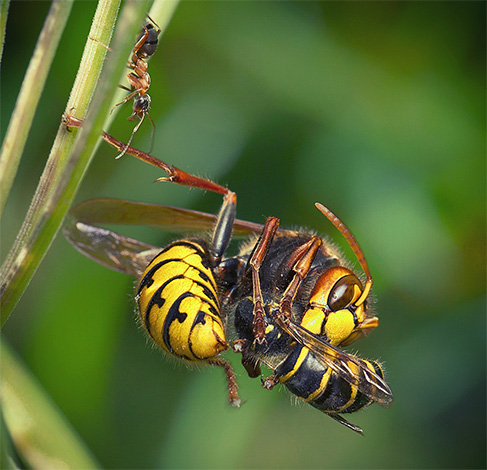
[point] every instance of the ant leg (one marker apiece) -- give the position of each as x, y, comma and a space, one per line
101, 44
71, 121
155, 24
136, 128
141, 41
260, 252
127, 98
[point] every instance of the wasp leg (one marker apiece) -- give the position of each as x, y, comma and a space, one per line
260, 252
222, 232
233, 396
174, 175
346, 423
269, 382
303, 262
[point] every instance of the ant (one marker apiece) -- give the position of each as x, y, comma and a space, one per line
139, 79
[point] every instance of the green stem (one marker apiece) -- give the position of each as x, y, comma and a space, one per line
39, 431
161, 12
30, 93
4, 4
50, 202
72, 151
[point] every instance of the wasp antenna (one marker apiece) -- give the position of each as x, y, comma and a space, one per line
342, 228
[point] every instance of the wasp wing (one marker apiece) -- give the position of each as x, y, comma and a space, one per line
110, 249
167, 218
345, 365
125, 254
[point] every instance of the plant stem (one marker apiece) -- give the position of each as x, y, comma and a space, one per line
4, 4
39, 430
30, 93
72, 151
50, 201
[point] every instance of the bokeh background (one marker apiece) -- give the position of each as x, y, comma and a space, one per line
375, 109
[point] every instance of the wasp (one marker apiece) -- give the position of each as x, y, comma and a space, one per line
139, 78
289, 297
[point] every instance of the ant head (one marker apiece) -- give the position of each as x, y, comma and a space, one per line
141, 106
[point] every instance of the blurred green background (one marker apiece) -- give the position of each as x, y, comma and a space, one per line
375, 109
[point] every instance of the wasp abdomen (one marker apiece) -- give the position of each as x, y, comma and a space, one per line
178, 302
319, 386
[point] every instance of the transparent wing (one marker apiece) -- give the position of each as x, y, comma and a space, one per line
125, 254
167, 218
110, 249
345, 365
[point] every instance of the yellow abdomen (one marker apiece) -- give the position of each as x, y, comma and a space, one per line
178, 302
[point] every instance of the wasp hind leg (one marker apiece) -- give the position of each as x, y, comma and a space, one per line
222, 232
233, 396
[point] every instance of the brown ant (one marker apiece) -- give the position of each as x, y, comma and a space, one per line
139, 79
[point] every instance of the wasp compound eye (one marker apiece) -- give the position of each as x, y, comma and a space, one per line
344, 292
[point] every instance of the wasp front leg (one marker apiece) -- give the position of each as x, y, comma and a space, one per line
302, 260
260, 252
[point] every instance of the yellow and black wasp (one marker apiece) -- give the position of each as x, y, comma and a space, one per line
288, 296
